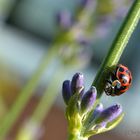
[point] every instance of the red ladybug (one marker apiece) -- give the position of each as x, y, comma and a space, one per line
119, 82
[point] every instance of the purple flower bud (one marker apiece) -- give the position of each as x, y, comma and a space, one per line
64, 19
66, 91
88, 99
109, 114
98, 110
87, 3
77, 83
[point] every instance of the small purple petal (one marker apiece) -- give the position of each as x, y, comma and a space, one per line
77, 82
96, 112
87, 3
66, 91
64, 19
109, 114
88, 99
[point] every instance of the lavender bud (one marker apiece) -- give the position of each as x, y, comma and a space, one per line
66, 91
109, 114
88, 99
77, 83
88, 3
98, 110
64, 19
85, 2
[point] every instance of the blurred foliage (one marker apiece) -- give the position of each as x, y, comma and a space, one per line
71, 48
10, 84
105, 7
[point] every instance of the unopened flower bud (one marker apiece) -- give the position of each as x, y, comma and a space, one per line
77, 83
109, 114
66, 91
98, 110
88, 99
88, 3
64, 19
85, 2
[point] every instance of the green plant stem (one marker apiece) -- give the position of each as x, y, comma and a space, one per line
25, 95
27, 91
44, 105
49, 96
76, 137
118, 46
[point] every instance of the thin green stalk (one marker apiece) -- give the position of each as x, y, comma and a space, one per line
48, 98
43, 107
27, 91
76, 137
118, 46
25, 95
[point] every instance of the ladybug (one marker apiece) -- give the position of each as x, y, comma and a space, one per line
120, 81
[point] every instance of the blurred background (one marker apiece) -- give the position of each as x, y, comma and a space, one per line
44, 42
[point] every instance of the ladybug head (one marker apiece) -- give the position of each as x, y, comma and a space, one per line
111, 87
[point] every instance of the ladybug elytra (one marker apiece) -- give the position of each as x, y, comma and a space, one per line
119, 82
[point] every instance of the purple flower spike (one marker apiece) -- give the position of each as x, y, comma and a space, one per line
109, 114
64, 19
66, 91
77, 83
88, 99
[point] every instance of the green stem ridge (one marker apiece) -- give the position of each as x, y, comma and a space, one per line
118, 46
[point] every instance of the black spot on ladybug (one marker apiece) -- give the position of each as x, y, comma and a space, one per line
123, 87
127, 71
121, 69
121, 76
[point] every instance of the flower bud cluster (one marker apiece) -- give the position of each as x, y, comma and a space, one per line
82, 110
